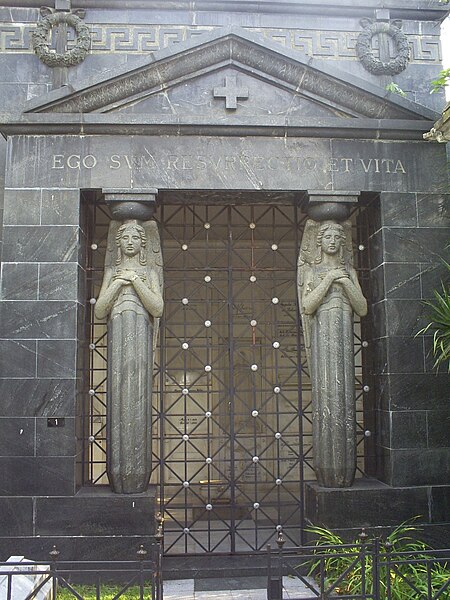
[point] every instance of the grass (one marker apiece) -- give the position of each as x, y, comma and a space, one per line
108, 592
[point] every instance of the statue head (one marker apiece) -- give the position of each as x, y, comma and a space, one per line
331, 238
131, 240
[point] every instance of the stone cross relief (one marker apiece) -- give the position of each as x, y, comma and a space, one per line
231, 92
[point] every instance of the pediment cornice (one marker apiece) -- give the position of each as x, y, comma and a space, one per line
247, 53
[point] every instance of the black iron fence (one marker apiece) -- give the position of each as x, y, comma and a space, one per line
363, 571
138, 579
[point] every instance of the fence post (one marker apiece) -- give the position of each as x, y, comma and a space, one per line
275, 588
376, 568
141, 553
269, 571
388, 548
363, 540
54, 554
157, 586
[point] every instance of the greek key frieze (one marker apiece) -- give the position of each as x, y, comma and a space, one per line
141, 39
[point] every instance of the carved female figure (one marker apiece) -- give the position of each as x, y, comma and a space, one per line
329, 294
131, 298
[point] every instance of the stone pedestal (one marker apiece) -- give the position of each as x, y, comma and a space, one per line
378, 508
95, 524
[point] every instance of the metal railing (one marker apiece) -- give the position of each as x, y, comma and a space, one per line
140, 578
359, 571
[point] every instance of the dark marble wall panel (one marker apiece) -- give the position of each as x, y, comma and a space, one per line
55, 436
17, 436
34, 397
407, 254
19, 281
376, 250
18, 358
22, 206
440, 504
60, 207
365, 504
397, 429
398, 281
2, 188
38, 319
57, 358
16, 517
420, 467
398, 210
438, 427
96, 512
411, 245
433, 210
58, 281
416, 391
44, 243
37, 476
431, 277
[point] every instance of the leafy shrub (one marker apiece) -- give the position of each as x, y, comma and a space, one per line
349, 569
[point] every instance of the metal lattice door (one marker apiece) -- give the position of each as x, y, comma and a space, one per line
232, 395
230, 417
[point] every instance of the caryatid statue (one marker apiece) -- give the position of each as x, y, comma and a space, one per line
329, 294
131, 299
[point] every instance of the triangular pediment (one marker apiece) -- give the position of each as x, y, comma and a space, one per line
186, 81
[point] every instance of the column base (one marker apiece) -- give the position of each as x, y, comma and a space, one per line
374, 505
95, 524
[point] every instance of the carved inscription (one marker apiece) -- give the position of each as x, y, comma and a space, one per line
240, 162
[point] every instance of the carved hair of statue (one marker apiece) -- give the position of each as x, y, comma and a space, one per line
141, 231
326, 226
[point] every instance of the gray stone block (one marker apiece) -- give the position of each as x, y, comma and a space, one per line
433, 210
35, 397
17, 436
58, 281
96, 511
38, 319
18, 358
37, 476
57, 358
19, 281
22, 207
16, 516
40, 243
60, 207
55, 436
398, 210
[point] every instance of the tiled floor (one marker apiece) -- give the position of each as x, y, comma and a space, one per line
184, 589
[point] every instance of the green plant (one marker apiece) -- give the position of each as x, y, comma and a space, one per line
441, 81
349, 569
440, 324
394, 88
108, 592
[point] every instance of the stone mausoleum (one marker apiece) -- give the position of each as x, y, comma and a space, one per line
218, 232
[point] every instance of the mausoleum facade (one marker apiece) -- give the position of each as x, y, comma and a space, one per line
219, 229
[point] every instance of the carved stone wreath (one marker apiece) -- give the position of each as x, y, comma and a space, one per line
364, 50
70, 58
